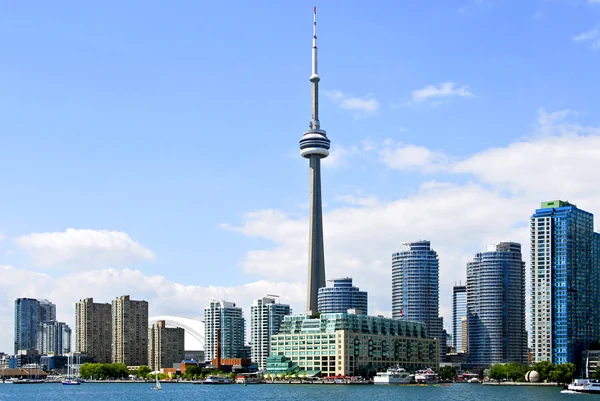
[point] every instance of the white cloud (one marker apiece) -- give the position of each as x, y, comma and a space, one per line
2, 237
446, 89
84, 249
364, 105
593, 36
339, 156
164, 297
409, 157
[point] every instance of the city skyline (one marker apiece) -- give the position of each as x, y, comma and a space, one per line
438, 125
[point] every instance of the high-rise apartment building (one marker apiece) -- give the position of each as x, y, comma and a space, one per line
229, 319
565, 281
93, 330
465, 334
415, 288
165, 345
266, 316
496, 306
27, 323
459, 310
55, 338
30, 314
129, 331
47, 311
340, 295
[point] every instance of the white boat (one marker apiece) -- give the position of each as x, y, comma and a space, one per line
7, 381
473, 380
426, 376
71, 382
217, 380
157, 386
393, 376
584, 386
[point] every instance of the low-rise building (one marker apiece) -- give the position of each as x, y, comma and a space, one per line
349, 344
590, 361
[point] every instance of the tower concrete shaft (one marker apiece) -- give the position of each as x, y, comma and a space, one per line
314, 146
316, 254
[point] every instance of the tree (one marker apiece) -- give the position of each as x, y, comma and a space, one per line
191, 371
515, 371
447, 373
497, 372
143, 371
543, 368
562, 373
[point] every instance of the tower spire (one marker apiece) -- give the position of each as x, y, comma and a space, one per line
314, 78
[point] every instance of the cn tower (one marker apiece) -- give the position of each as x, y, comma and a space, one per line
314, 146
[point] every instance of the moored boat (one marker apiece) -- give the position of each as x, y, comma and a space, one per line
217, 380
393, 376
584, 386
426, 376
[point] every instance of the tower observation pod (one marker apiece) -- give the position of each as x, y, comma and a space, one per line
314, 146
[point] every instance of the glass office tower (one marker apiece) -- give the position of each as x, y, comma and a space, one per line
565, 282
340, 295
415, 288
496, 306
459, 310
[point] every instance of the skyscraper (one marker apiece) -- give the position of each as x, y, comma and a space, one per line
165, 345
129, 331
459, 310
27, 323
340, 295
415, 288
565, 280
47, 311
228, 318
55, 338
266, 316
496, 306
93, 330
47, 314
314, 146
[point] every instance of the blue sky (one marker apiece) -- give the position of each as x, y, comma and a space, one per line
165, 137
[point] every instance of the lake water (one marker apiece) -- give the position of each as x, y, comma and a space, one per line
281, 392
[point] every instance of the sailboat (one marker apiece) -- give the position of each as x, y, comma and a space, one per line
157, 385
70, 380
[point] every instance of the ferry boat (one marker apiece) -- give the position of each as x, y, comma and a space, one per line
249, 378
217, 380
426, 376
393, 376
583, 386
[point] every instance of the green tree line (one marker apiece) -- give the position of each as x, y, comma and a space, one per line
561, 373
103, 371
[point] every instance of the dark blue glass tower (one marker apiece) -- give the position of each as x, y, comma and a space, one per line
565, 282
